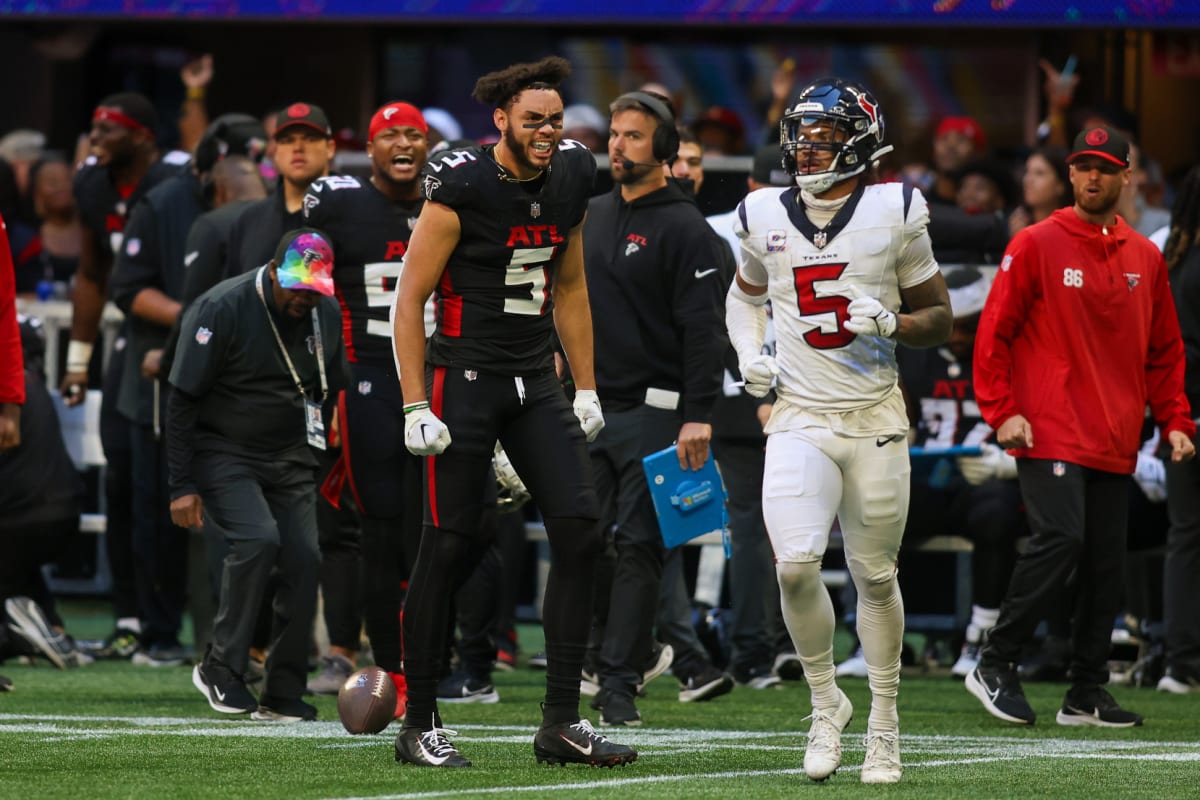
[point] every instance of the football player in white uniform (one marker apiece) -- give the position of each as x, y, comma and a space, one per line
836, 255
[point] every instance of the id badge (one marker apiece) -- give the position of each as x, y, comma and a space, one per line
314, 426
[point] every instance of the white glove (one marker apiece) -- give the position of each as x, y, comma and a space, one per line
587, 411
1151, 477
424, 433
870, 318
760, 374
991, 463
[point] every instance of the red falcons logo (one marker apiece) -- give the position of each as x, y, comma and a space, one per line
872, 109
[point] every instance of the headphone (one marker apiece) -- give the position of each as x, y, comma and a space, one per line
664, 145
225, 131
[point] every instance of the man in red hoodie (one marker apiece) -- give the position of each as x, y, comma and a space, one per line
1079, 334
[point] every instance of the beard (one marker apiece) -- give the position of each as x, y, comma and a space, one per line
518, 152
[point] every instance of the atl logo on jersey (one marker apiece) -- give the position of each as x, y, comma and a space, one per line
534, 236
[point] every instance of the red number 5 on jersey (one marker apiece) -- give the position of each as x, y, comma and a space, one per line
811, 306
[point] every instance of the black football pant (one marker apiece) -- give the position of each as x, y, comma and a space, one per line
1182, 567
1078, 519
160, 549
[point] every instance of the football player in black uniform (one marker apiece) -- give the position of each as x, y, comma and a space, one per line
369, 223
123, 166
500, 239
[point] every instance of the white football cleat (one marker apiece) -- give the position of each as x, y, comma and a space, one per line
882, 762
823, 755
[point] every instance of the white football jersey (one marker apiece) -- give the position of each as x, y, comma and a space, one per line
813, 273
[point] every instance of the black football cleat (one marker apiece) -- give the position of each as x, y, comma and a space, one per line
578, 743
428, 748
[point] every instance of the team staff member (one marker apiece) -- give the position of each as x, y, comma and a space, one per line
500, 238
12, 369
123, 166
304, 149
369, 222
654, 269
1078, 335
258, 356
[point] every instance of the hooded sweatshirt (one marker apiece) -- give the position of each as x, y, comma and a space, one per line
1078, 335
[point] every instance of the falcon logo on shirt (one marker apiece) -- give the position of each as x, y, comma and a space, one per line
203, 335
1132, 279
635, 243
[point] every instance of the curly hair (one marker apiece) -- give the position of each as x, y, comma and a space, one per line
1185, 220
500, 89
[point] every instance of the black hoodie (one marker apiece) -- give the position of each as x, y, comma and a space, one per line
657, 294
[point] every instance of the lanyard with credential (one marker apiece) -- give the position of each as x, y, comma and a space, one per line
313, 424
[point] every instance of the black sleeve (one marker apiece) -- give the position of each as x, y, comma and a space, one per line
182, 412
204, 260
136, 267
698, 308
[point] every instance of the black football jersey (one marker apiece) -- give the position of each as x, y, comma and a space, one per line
369, 234
495, 296
940, 388
105, 209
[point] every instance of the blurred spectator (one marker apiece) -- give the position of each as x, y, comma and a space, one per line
1142, 217
443, 127
783, 81
956, 141
19, 233
196, 75
47, 265
689, 161
1182, 563
720, 131
585, 124
986, 186
21, 149
1045, 188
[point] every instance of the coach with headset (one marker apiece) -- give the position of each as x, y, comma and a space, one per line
657, 295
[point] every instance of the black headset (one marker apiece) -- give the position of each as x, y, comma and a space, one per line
220, 134
664, 145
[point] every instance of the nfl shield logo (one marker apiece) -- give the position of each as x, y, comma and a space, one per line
364, 387
1059, 469
470, 374
535, 210
820, 239
203, 335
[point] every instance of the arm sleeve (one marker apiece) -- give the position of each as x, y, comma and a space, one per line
698, 303
136, 267
182, 412
12, 365
1166, 362
1008, 303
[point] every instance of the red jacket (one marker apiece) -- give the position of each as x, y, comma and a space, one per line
12, 366
1079, 333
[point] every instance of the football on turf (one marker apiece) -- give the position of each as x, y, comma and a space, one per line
367, 701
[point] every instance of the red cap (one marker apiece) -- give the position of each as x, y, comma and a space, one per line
403, 115
964, 125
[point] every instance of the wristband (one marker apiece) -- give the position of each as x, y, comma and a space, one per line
415, 406
79, 356
195, 93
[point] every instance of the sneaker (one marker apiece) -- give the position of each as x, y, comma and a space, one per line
1000, 692
224, 691
27, 620
76, 657
1179, 679
5, 684
617, 709
759, 676
1092, 705
661, 657
538, 660
335, 669
506, 651
157, 655
428, 748
823, 755
882, 762
589, 685
578, 743
789, 667
706, 685
275, 709
968, 657
853, 667
463, 688
121, 643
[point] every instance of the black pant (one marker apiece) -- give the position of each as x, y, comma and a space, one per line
267, 511
625, 503
25, 551
160, 549
1182, 567
339, 537
116, 437
1078, 519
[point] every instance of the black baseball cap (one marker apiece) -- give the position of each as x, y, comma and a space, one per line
1103, 142
767, 167
305, 114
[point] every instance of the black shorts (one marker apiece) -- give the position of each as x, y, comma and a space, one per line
532, 419
384, 477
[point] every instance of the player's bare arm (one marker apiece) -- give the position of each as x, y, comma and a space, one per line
433, 240
930, 319
572, 313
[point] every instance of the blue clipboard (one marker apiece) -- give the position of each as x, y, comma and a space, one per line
688, 504
936, 465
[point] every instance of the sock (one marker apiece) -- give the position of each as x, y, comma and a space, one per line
808, 614
982, 621
881, 629
131, 624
